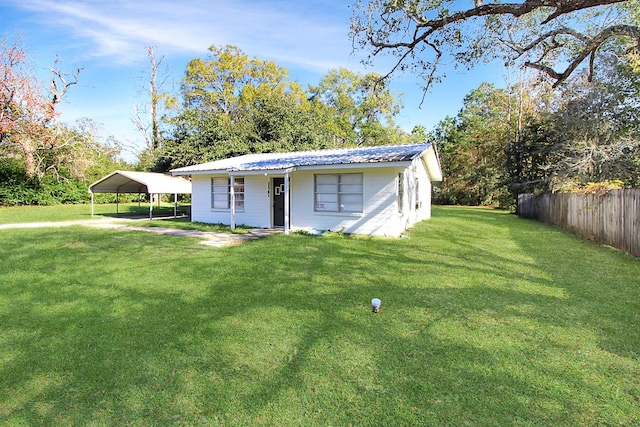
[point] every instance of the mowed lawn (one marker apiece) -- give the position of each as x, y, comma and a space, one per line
486, 319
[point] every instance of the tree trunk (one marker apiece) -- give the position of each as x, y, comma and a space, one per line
30, 163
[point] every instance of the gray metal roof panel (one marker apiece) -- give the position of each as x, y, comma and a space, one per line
277, 161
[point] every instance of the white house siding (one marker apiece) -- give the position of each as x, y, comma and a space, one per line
257, 209
256, 198
201, 202
380, 213
417, 201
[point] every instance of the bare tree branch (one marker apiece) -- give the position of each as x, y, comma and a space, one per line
591, 46
403, 30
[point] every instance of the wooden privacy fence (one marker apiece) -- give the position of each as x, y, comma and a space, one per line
612, 218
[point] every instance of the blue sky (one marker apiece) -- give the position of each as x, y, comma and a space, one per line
108, 38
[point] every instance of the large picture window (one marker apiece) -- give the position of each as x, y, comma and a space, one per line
338, 192
221, 193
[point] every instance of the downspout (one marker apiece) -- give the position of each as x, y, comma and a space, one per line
287, 225
232, 194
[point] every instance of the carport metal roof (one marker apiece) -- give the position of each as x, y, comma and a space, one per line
141, 182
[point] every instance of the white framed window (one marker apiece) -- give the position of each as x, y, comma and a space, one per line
221, 193
238, 193
338, 193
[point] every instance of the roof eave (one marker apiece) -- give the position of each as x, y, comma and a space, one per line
431, 162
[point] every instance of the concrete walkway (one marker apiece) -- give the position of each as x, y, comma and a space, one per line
209, 238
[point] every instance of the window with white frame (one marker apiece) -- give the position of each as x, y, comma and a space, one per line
238, 193
221, 193
338, 193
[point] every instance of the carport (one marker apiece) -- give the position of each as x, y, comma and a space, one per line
141, 183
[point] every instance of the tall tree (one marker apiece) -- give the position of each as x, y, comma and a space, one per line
229, 80
147, 116
363, 106
488, 150
28, 113
472, 148
233, 105
595, 130
539, 34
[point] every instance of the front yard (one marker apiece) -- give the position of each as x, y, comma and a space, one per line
486, 319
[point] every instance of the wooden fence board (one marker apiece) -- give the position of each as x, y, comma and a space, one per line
612, 218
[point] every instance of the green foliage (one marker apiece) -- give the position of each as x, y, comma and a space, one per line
70, 169
229, 81
17, 189
471, 148
554, 38
234, 105
528, 139
363, 107
598, 188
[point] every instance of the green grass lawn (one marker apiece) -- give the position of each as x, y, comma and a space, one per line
486, 319
21, 214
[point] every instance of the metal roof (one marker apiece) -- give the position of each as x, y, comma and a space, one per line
141, 182
281, 161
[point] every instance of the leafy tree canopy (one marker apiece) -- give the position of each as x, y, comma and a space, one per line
233, 105
554, 37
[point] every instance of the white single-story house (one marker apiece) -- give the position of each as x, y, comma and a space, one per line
368, 190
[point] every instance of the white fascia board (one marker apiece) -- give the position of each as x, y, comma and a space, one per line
203, 172
236, 172
356, 166
431, 162
264, 172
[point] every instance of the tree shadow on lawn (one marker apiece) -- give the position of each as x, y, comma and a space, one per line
602, 284
249, 335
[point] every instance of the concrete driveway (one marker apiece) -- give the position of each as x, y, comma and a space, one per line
209, 238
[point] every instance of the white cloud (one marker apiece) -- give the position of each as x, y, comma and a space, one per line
270, 30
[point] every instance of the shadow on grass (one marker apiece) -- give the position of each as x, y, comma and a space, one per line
121, 327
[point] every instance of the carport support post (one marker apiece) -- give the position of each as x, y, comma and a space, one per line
233, 203
92, 204
175, 205
150, 206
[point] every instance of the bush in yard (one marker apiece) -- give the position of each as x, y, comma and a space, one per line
17, 189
